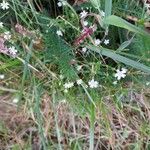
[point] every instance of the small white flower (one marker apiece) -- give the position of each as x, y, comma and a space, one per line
84, 49
115, 82
68, 85
59, 33
85, 23
65, 91
147, 6
120, 73
4, 5
15, 100
102, 13
147, 83
93, 84
97, 42
79, 81
13, 51
61, 77
7, 35
106, 42
79, 67
2, 76
83, 14
59, 4
1, 25
124, 70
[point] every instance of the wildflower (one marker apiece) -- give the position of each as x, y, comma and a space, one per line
65, 91
59, 4
79, 67
68, 85
15, 100
13, 51
2, 76
115, 82
84, 49
97, 42
106, 42
61, 77
120, 73
59, 33
83, 14
79, 81
1, 25
4, 5
85, 23
7, 35
93, 84
102, 13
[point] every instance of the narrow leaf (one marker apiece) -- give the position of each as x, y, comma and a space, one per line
119, 22
117, 57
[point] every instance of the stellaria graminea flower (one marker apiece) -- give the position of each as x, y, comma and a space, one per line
1, 25
2, 76
59, 4
83, 14
106, 41
85, 23
13, 51
79, 81
7, 35
120, 73
4, 5
93, 84
97, 42
59, 33
68, 85
84, 49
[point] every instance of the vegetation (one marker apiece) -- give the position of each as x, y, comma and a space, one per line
74, 74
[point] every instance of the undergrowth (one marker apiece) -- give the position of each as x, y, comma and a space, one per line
74, 75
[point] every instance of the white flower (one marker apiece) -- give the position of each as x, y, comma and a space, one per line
59, 33
59, 4
115, 82
65, 91
7, 35
79, 67
147, 6
12, 51
61, 77
85, 23
97, 42
68, 85
84, 49
102, 13
79, 81
120, 74
15, 100
147, 83
83, 14
1, 25
106, 42
4, 5
93, 84
2, 76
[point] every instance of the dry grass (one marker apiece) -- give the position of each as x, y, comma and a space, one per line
114, 128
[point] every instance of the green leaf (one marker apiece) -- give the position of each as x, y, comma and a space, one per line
119, 22
108, 7
117, 57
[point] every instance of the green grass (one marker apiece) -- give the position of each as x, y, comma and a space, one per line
111, 116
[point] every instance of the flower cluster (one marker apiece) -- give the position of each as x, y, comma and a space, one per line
11, 51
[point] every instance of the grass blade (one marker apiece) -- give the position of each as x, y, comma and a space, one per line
119, 22
111, 54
